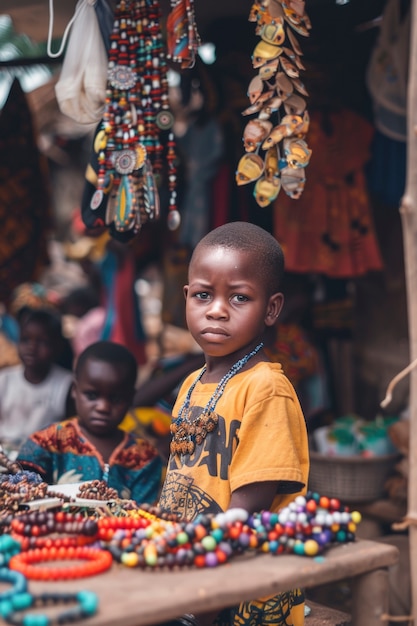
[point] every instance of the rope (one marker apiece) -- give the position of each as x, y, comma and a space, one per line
408, 521
385, 617
394, 381
54, 55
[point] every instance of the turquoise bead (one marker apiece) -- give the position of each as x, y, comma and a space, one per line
88, 601
22, 601
299, 548
6, 608
218, 534
273, 519
36, 620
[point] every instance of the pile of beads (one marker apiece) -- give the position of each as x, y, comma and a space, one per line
19, 488
306, 527
97, 490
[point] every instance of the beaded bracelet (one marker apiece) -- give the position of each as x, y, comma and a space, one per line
97, 561
18, 581
87, 602
9, 546
39, 523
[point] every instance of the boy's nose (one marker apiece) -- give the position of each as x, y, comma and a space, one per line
103, 404
217, 309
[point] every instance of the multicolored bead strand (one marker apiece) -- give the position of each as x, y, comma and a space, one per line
306, 527
129, 141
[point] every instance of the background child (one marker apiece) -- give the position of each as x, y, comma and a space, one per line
91, 445
36, 392
239, 435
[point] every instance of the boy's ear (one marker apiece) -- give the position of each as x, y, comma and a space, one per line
73, 389
185, 291
275, 304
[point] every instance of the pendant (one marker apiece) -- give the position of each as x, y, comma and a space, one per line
122, 77
186, 434
125, 204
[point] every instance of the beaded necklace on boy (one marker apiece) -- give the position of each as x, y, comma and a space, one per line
185, 432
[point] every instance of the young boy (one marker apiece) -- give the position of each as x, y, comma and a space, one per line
92, 446
36, 392
239, 435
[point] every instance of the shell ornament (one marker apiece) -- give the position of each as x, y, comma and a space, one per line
276, 153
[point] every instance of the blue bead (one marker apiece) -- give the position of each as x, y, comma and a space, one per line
88, 601
22, 601
6, 608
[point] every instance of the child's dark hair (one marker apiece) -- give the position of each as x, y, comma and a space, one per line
248, 237
109, 352
47, 318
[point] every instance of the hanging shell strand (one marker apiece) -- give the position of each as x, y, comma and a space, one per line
276, 153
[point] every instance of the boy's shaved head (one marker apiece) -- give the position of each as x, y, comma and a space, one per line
109, 352
246, 237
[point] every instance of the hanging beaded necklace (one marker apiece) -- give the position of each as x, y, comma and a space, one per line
186, 433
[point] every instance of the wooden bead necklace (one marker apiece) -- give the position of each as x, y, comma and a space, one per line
86, 606
186, 433
96, 562
41, 523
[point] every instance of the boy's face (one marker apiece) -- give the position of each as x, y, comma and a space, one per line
227, 304
35, 346
102, 396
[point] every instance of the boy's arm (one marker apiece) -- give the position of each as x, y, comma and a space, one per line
255, 497
258, 497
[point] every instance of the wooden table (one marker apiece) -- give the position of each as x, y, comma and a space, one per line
133, 597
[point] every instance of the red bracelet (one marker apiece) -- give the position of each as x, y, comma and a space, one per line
97, 561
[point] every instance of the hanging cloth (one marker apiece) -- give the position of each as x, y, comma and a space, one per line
387, 72
329, 230
81, 88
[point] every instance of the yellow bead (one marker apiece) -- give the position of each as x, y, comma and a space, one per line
356, 517
130, 559
311, 547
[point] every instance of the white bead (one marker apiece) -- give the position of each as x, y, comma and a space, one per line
300, 501
236, 515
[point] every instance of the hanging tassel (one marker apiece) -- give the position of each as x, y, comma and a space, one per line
183, 39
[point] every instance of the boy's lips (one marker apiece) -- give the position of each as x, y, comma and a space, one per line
214, 331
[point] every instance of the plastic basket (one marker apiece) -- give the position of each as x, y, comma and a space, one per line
350, 479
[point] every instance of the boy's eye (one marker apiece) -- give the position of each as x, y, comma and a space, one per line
202, 295
90, 395
240, 298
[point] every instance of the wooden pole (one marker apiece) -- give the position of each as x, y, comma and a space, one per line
408, 211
